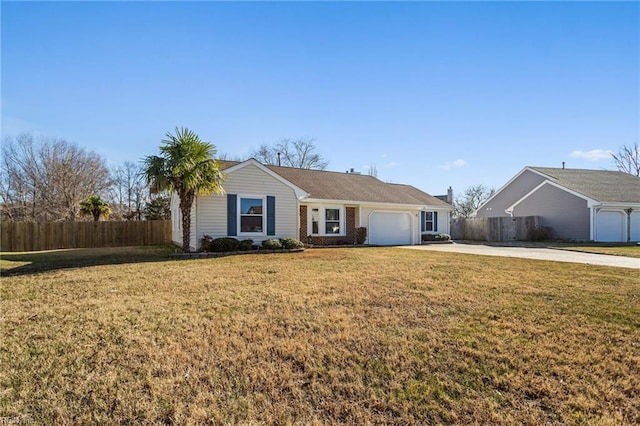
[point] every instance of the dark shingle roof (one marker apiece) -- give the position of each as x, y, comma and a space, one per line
326, 185
600, 185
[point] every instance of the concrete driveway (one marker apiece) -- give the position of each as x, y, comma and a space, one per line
539, 253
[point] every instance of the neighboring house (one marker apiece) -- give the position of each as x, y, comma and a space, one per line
578, 204
314, 206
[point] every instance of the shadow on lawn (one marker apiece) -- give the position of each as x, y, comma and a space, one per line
26, 263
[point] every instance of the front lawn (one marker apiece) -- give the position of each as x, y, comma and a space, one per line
623, 250
352, 336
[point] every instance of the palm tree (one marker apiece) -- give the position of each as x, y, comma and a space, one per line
95, 206
187, 166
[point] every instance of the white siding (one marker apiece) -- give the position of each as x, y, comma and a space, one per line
444, 218
176, 220
248, 181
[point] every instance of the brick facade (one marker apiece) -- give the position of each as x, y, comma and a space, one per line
350, 224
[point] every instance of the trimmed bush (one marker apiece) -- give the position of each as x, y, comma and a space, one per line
436, 237
224, 244
205, 243
541, 233
361, 235
271, 244
291, 243
245, 245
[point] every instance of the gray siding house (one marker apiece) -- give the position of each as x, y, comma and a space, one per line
578, 204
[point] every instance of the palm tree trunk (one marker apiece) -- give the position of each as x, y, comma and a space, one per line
186, 200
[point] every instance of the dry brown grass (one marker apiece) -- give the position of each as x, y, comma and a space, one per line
326, 336
625, 250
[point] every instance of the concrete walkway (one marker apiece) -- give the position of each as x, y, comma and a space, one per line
539, 253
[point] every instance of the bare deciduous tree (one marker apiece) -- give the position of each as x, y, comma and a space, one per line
129, 191
373, 171
47, 179
467, 203
299, 153
628, 159
225, 156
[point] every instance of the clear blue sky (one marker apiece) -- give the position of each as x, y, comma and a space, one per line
434, 94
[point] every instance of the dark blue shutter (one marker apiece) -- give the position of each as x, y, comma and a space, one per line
232, 215
435, 221
423, 218
271, 215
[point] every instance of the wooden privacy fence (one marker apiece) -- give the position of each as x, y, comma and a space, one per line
30, 236
494, 228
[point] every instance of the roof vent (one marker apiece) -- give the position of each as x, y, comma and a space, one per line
563, 165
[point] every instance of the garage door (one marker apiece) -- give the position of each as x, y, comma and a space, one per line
635, 226
611, 225
390, 228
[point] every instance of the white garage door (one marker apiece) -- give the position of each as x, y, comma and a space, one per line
635, 226
611, 225
390, 228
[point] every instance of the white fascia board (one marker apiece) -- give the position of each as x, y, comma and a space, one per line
475, 213
590, 201
374, 204
619, 205
300, 193
546, 176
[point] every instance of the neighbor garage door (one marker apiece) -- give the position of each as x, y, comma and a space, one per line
611, 225
390, 228
635, 226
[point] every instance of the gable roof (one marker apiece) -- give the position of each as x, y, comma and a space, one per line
601, 185
325, 185
231, 166
420, 195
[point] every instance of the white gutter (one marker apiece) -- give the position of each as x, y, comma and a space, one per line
374, 204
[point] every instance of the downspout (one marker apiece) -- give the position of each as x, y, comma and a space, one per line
629, 211
298, 215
